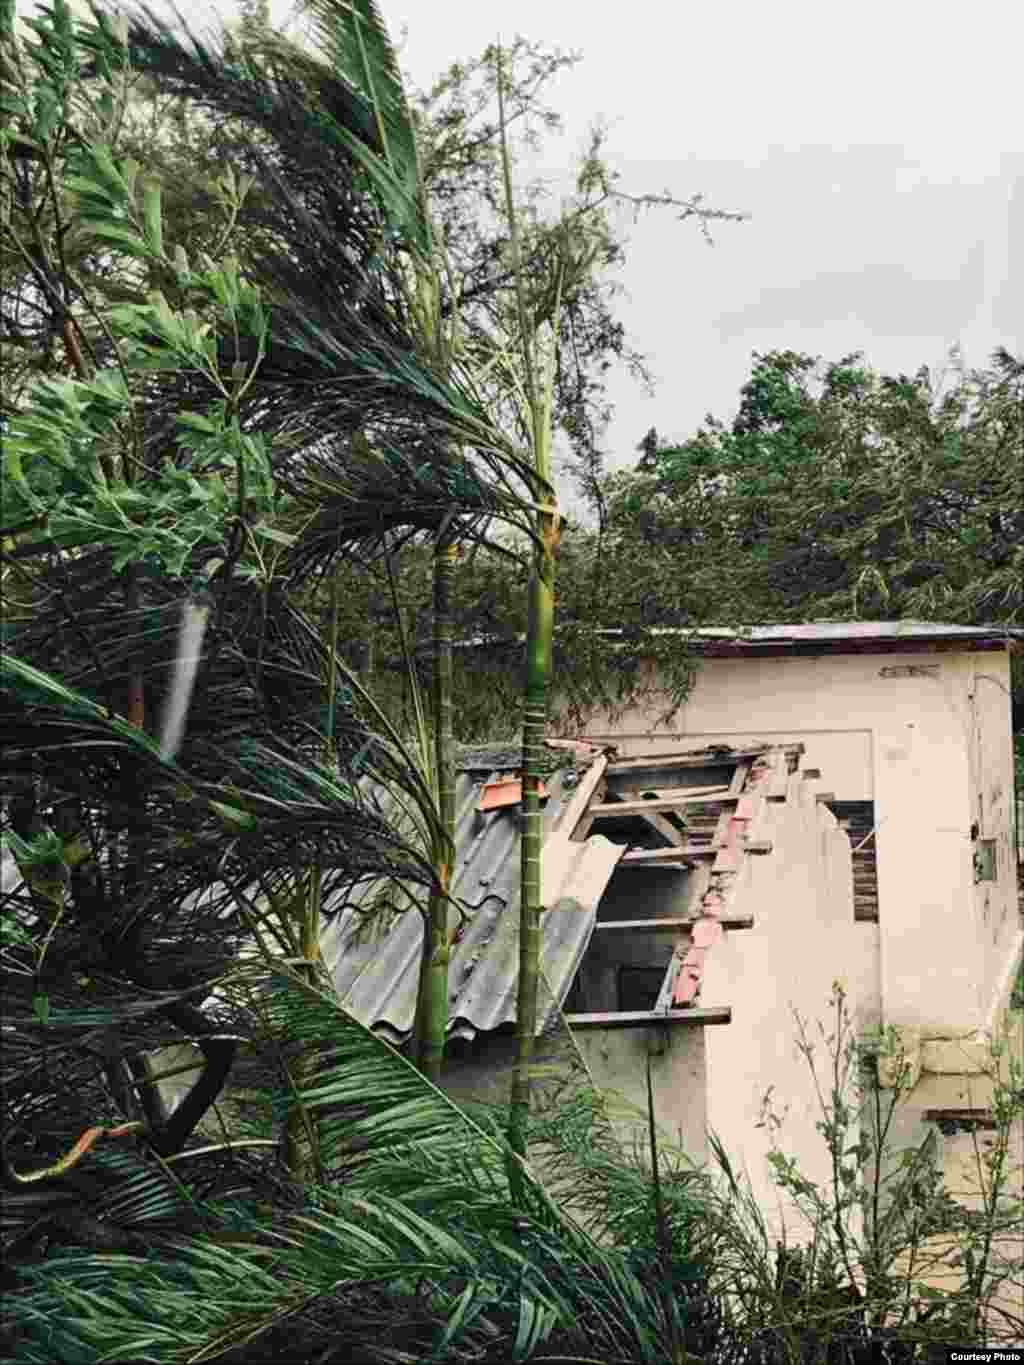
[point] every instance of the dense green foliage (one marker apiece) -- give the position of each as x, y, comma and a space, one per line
838, 491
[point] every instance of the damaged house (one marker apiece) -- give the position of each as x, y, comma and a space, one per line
834, 802
674, 883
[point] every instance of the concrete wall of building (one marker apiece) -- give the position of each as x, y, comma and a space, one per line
926, 735
615, 1061
997, 913
804, 938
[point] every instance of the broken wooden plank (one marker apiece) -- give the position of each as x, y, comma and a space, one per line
648, 807
656, 856
674, 924
664, 827
713, 758
715, 1014
624, 785
575, 808
739, 779
582, 830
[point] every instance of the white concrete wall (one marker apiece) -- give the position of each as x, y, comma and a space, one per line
927, 737
616, 1062
804, 937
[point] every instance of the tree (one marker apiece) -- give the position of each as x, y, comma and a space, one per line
184, 456
128, 493
231, 823
840, 492
837, 490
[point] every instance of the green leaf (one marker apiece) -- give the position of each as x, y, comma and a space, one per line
41, 1008
125, 556
125, 237
130, 171
196, 421
234, 818
102, 163
271, 533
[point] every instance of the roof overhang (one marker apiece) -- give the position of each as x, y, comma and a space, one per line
919, 644
810, 639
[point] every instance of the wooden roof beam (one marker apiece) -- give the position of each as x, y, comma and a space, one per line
654, 857
675, 925
613, 809
716, 757
718, 1014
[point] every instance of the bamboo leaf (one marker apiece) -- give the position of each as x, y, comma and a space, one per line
271, 533
124, 237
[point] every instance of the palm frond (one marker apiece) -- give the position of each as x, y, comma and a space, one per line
412, 1247
126, 945
353, 40
398, 1108
341, 362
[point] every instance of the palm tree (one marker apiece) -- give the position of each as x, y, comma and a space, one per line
134, 910
370, 459
358, 489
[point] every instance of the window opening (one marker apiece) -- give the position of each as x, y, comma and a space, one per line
639, 987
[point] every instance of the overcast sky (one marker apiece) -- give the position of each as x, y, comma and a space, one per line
879, 149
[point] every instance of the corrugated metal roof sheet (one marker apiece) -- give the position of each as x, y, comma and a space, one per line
377, 978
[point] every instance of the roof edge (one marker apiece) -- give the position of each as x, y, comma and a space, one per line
743, 641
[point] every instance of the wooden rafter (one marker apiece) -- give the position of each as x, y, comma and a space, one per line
720, 1014
615, 809
658, 926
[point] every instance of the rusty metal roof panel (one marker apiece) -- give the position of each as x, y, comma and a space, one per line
377, 979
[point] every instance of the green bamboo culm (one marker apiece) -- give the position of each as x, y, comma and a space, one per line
537, 391
538, 674
434, 996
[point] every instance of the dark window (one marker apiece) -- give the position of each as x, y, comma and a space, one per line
639, 987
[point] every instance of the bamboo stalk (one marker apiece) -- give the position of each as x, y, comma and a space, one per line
540, 629
538, 673
437, 950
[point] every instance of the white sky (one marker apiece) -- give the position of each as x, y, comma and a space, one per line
879, 148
